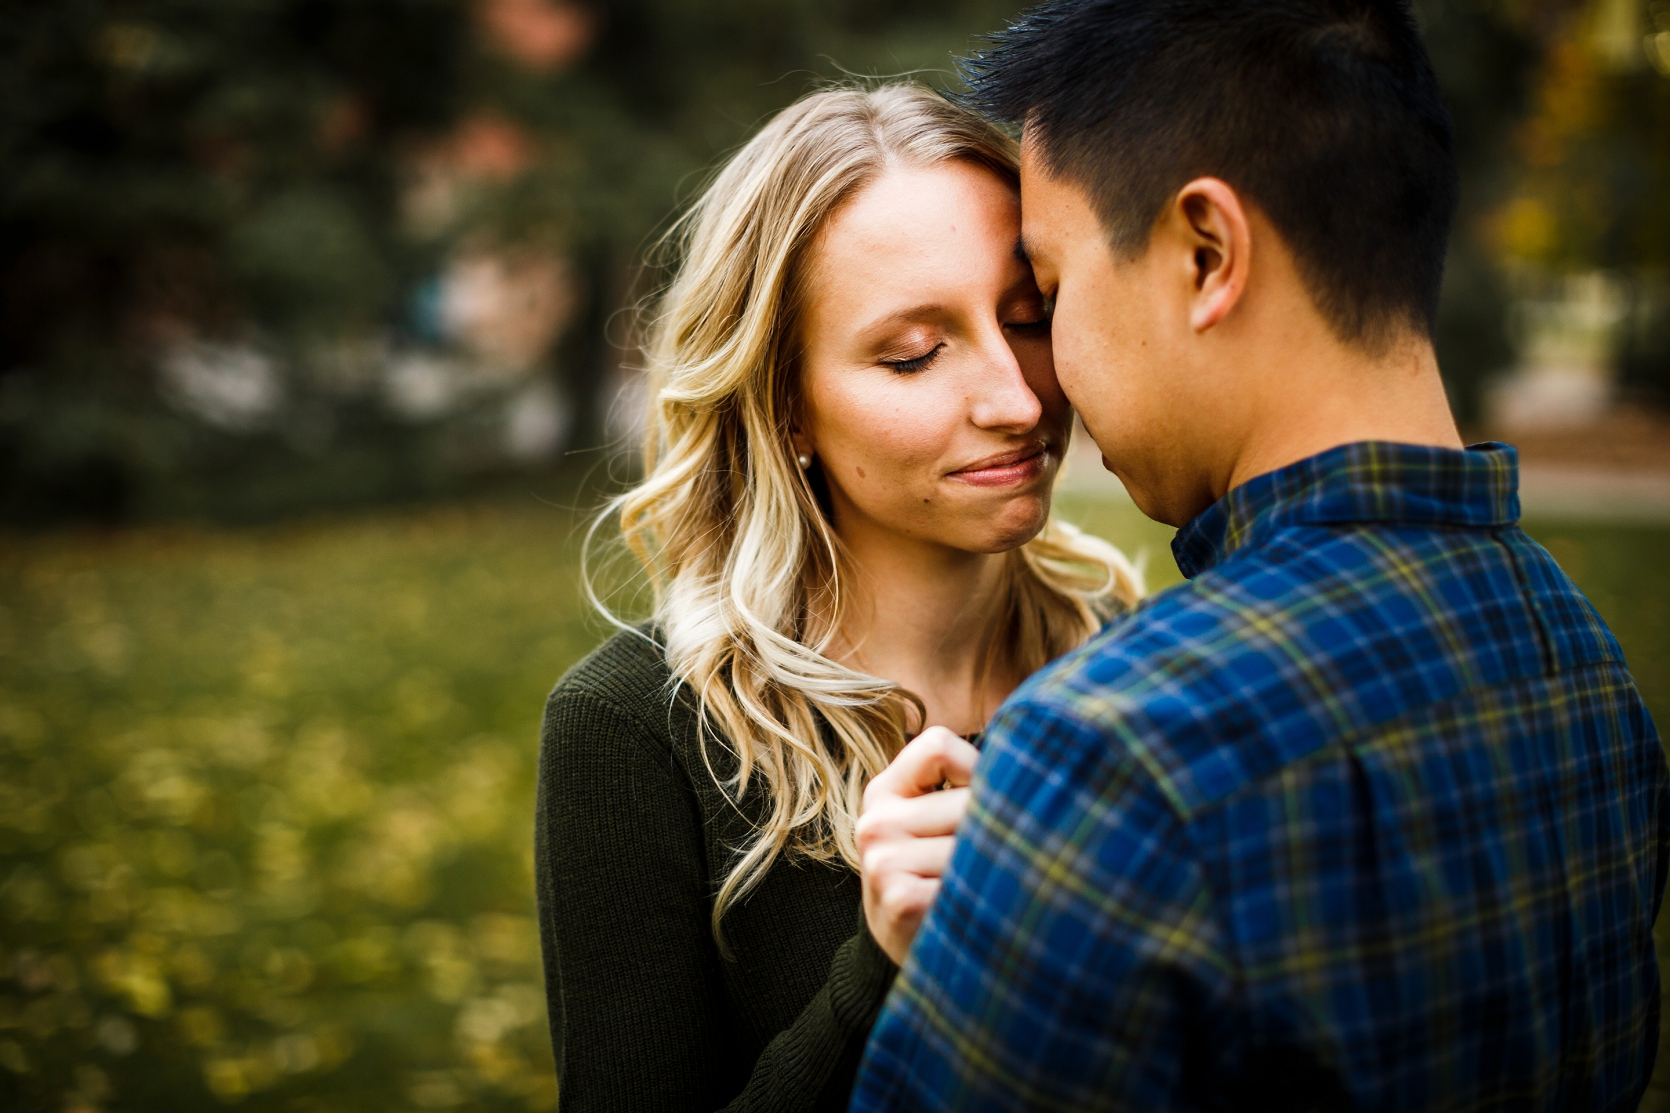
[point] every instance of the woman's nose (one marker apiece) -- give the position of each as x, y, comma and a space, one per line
1001, 399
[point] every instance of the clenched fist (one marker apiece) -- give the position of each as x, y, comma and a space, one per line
904, 832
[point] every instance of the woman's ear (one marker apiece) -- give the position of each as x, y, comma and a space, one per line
1214, 225
801, 444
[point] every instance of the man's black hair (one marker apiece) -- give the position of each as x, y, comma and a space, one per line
1324, 113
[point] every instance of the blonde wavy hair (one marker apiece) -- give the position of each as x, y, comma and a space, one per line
748, 576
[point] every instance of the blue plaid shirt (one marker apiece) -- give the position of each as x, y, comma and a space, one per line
1366, 815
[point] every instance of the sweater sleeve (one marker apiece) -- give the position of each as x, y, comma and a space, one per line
639, 1017
811, 1064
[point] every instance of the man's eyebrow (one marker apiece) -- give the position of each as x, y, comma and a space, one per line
1022, 253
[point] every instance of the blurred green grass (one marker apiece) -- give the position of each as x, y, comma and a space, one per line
266, 812
266, 800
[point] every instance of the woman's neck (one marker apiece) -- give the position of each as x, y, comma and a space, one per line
922, 616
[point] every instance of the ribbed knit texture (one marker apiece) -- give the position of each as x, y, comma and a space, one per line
633, 838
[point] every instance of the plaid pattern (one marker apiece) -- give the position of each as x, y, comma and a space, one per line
1366, 815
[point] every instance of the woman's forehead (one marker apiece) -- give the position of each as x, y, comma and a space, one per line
916, 232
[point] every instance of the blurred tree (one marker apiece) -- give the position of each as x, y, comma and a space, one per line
1486, 53
199, 170
1594, 166
220, 220
1593, 172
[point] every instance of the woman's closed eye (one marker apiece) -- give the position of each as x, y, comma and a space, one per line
914, 363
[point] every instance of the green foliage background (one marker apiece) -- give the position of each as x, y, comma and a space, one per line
165, 166
240, 171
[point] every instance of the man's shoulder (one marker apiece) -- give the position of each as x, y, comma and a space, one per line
1175, 644
1161, 689
1219, 681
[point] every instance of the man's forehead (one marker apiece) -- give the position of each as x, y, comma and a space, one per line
1032, 158
1032, 246
1042, 211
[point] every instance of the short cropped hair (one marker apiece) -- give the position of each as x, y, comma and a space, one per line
1324, 113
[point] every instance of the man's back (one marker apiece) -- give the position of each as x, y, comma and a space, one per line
1367, 815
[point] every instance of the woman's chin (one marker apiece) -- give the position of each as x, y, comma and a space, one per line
1015, 523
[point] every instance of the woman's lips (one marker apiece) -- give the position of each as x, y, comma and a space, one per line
1010, 468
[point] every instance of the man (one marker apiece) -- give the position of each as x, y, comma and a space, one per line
1368, 814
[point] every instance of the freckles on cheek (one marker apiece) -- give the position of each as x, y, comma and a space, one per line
881, 439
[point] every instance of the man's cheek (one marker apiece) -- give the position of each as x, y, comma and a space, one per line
1074, 367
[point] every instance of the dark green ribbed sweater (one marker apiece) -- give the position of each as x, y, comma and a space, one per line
633, 838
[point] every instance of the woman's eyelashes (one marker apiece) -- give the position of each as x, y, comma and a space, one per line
1032, 320
915, 363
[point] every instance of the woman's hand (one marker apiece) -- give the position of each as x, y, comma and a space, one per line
904, 833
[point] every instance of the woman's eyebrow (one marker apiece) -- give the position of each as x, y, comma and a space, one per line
913, 315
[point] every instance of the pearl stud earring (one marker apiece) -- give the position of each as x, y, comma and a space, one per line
804, 461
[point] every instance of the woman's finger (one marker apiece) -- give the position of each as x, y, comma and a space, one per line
917, 857
896, 817
894, 915
932, 759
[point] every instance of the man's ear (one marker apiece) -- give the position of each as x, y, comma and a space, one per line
1213, 223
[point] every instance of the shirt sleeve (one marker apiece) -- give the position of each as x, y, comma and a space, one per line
638, 1010
1072, 959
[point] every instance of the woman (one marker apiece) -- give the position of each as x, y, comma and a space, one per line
853, 434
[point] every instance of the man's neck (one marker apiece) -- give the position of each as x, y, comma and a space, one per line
1341, 396
921, 616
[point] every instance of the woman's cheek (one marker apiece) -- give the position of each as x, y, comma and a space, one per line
908, 429
885, 439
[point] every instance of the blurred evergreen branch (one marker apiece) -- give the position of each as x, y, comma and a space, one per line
223, 170
1591, 188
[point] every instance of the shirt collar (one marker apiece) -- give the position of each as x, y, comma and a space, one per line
1370, 481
